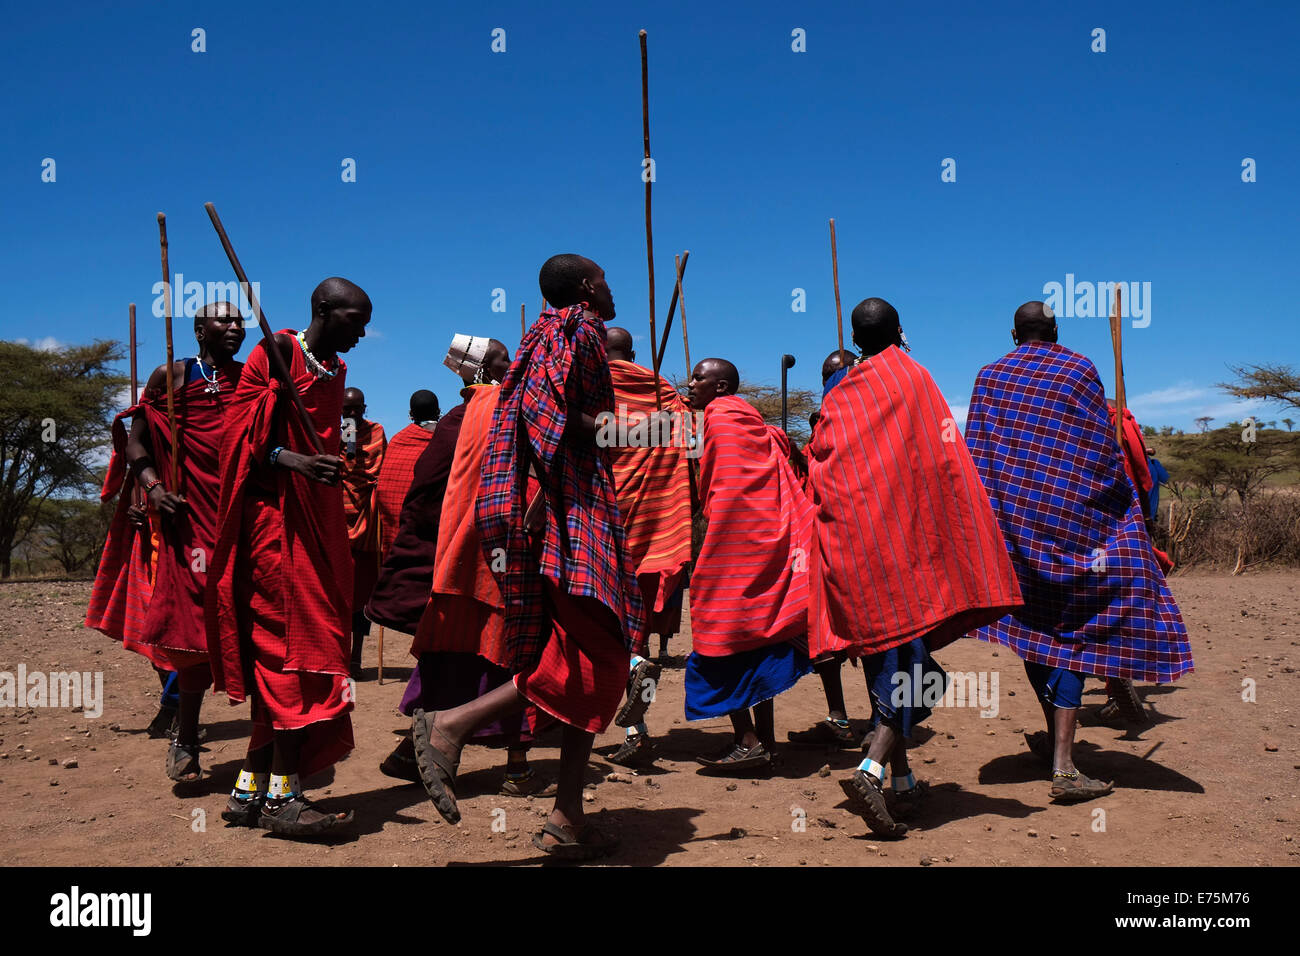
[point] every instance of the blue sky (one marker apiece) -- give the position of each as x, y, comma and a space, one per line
474, 166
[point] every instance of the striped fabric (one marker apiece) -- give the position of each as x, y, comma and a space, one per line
1095, 600
559, 371
395, 476
653, 487
906, 544
749, 587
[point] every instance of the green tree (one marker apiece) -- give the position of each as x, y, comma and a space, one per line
72, 531
56, 407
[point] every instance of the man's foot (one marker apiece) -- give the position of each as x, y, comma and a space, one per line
161, 725
738, 760
567, 842
1123, 703
906, 804
636, 751
243, 812
401, 764
1076, 787
825, 733
298, 817
183, 763
641, 685
437, 768
868, 802
527, 785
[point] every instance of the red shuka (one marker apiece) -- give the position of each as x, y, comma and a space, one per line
652, 486
395, 477
749, 588
906, 542
279, 588
174, 636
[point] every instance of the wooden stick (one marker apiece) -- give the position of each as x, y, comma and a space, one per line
672, 307
681, 294
381, 653
135, 380
272, 351
1117, 344
175, 487
839, 315
649, 233
523, 322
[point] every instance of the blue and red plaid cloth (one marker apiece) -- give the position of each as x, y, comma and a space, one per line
560, 370
1096, 601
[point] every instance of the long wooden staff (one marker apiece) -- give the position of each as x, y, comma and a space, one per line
672, 307
137, 495
649, 232
272, 352
686, 339
523, 323
839, 315
1117, 343
175, 487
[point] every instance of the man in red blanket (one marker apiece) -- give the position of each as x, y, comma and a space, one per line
279, 595
364, 445
647, 437
908, 556
548, 519
170, 631
398, 470
749, 589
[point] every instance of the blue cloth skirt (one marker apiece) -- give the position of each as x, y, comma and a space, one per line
718, 686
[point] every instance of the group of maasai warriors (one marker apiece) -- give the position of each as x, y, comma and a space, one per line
532, 558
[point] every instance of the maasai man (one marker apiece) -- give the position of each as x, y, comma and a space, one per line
653, 484
749, 589
1095, 600
458, 633
363, 459
171, 632
398, 470
547, 514
835, 731
280, 587
908, 556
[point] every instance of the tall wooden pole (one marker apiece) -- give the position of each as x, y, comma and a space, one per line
1117, 343
839, 315
686, 339
135, 379
646, 168
672, 307
174, 487
523, 322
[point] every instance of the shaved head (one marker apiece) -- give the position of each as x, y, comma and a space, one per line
712, 378
876, 326
618, 344
335, 292
354, 404
214, 310
424, 405
834, 362
1035, 322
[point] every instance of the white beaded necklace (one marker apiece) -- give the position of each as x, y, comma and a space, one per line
313, 364
213, 386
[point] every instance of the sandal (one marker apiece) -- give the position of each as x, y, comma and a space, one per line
183, 763
529, 785
243, 813
737, 760
908, 803
868, 802
642, 682
400, 766
585, 844
437, 770
825, 733
285, 817
635, 752
1076, 787
1127, 704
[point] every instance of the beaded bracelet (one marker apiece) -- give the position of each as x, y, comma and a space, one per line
152, 485
275, 454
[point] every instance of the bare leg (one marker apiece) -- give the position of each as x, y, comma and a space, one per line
744, 728
1063, 736
829, 672
765, 721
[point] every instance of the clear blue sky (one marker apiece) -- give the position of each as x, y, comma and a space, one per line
474, 166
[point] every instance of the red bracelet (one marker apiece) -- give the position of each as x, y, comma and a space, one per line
152, 485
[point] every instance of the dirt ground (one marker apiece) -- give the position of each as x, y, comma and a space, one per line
1212, 780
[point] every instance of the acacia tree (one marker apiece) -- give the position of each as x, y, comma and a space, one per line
1272, 383
56, 407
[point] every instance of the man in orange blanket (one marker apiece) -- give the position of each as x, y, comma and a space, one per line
364, 445
749, 589
398, 469
647, 442
169, 630
547, 516
908, 554
279, 591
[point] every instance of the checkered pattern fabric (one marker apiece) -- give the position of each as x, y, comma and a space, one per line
1096, 601
560, 370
